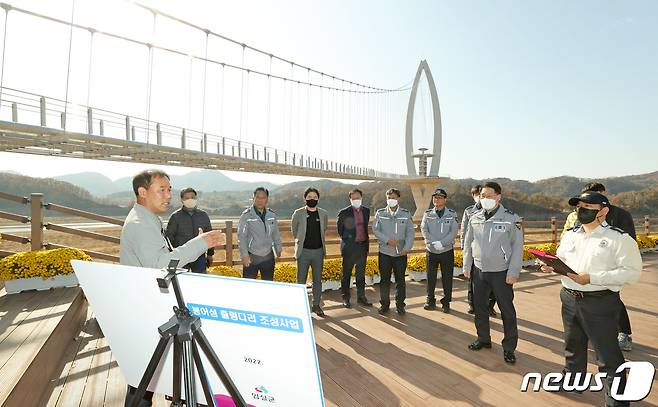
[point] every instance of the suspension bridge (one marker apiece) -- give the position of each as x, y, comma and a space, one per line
231, 106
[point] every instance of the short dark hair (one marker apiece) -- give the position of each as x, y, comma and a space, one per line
355, 191
186, 190
309, 190
476, 189
145, 178
393, 191
593, 187
261, 189
493, 185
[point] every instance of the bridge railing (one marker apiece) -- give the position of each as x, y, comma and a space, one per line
48, 112
535, 232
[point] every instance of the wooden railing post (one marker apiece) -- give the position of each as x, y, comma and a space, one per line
647, 224
229, 242
36, 215
554, 229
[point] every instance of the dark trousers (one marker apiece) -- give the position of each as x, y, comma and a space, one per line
146, 401
624, 322
313, 258
483, 284
492, 297
396, 265
594, 319
354, 255
264, 264
447, 262
199, 265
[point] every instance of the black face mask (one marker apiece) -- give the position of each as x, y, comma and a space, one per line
586, 216
311, 203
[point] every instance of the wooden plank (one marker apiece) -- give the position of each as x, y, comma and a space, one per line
15, 308
82, 233
74, 388
421, 358
34, 384
28, 338
54, 391
335, 395
115, 393
23, 330
96, 386
83, 214
14, 217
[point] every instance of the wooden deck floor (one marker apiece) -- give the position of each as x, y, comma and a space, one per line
34, 327
419, 359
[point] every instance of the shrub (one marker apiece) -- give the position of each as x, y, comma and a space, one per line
43, 263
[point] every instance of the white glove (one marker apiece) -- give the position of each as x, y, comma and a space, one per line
437, 245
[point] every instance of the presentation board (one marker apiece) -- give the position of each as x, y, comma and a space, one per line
262, 331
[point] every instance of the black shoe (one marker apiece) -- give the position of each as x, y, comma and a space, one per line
364, 302
477, 345
471, 310
509, 357
429, 305
383, 309
346, 303
492, 313
446, 309
401, 310
318, 311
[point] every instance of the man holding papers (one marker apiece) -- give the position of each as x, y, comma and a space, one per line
604, 258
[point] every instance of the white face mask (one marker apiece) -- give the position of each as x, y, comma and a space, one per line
392, 203
190, 203
476, 198
356, 203
488, 203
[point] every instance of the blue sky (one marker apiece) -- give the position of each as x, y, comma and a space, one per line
528, 89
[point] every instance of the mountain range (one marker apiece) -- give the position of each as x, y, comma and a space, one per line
205, 180
225, 197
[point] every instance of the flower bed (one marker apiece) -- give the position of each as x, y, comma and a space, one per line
333, 268
44, 263
647, 241
40, 270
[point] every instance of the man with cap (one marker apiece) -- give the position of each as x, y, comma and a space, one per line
604, 258
439, 229
394, 230
622, 219
494, 247
470, 210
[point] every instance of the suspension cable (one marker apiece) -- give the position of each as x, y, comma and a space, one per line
68, 65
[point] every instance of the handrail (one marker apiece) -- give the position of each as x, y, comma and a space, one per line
82, 214
14, 217
15, 238
550, 227
83, 233
14, 198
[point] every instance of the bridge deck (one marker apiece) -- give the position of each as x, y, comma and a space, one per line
420, 359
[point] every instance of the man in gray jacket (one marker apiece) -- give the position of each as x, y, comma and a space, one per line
394, 230
439, 229
470, 210
494, 247
143, 240
309, 225
258, 233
